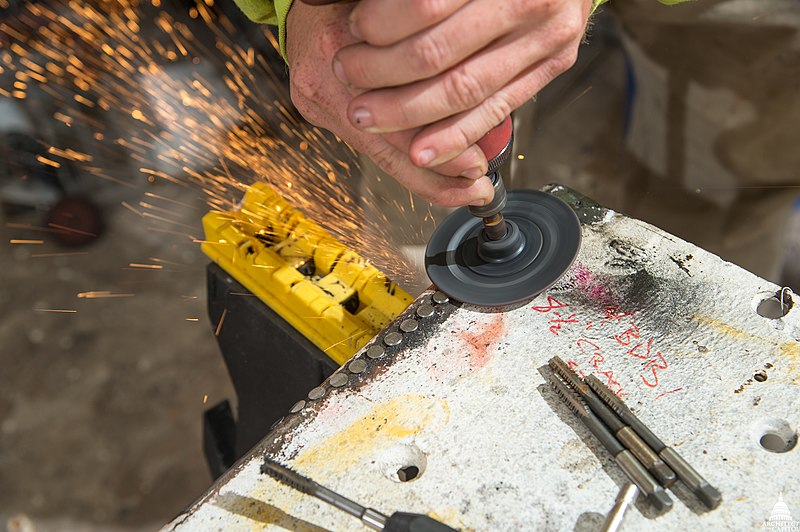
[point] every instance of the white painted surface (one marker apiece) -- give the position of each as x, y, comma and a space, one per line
499, 451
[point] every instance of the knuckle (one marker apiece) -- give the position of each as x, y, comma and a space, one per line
560, 64
356, 70
443, 197
569, 58
575, 26
429, 9
303, 84
464, 89
462, 139
304, 92
370, 32
386, 158
524, 8
428, 54
568, 30
498, 109
403, 113
328, 41
458, 139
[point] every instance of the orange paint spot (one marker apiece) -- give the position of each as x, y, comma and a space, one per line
482, 342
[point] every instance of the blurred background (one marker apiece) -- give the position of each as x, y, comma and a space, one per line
121, 123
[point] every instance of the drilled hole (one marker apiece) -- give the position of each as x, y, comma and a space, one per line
775, 306
775, 435
404, 462
407, 473
760, 375
774, 443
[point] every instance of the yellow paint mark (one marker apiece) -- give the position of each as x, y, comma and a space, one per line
788, 349
265, 512
383, 426
791, 349
397, 419
451, 516
728, 330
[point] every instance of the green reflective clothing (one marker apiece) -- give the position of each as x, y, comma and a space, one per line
275, 11
268, 12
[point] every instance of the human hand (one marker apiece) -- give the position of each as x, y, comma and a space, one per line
450, 70
314, 35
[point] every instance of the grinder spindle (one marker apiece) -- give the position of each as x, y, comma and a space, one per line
496, 146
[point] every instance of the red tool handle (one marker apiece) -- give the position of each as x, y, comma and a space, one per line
494, 143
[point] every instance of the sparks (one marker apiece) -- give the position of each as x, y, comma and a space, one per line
102, 294
212, 135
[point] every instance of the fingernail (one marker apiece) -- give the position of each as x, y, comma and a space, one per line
473, 173
354, 28
338, 71
362, 118
426, 156
478, 203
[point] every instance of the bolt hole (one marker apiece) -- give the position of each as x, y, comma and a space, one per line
760, 375
775, 435
774, 443
775, 306
402, 463
407, 473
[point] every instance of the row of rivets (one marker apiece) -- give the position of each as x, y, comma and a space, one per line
391, 339
425, 311
357, 366
339, 379
316, 393
408, 326
440, 298
375, 351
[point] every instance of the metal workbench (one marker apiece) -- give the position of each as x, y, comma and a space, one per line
680, 334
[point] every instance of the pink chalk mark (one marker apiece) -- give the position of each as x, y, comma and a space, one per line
586, 281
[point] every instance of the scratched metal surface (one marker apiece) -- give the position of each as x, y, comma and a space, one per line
670, 326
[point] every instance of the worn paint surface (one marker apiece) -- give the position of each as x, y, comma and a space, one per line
669, 327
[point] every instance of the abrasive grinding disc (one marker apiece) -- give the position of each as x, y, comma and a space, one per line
544, 235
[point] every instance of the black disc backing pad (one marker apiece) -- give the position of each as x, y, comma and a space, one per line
544, 235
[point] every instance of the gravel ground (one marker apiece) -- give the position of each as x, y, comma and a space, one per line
101, 408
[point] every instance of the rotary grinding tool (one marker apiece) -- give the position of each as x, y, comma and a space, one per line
509, 250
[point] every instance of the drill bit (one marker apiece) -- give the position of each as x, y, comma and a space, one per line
397, 522
665, 476
626, 461
704, 491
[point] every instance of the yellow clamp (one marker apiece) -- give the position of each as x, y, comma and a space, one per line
330, 294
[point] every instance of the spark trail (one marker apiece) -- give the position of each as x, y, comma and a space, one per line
191, 100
